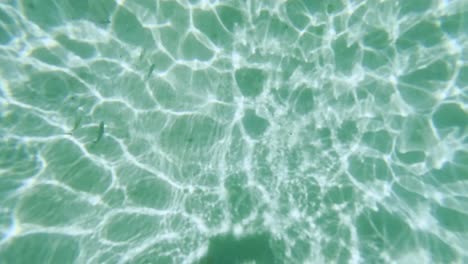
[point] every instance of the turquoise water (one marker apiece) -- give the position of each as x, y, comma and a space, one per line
237, 131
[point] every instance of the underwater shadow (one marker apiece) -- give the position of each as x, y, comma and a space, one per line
228, 249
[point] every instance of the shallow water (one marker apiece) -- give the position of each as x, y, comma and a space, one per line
233, 131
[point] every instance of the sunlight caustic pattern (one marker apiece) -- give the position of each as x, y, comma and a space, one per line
203, 131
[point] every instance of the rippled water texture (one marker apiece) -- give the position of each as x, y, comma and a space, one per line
237, 131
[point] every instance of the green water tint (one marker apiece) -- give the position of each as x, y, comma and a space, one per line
242, 132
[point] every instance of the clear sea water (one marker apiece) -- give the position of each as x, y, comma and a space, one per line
237, 131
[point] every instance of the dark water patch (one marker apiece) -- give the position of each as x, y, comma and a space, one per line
228, 249
41, 248
250, 81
